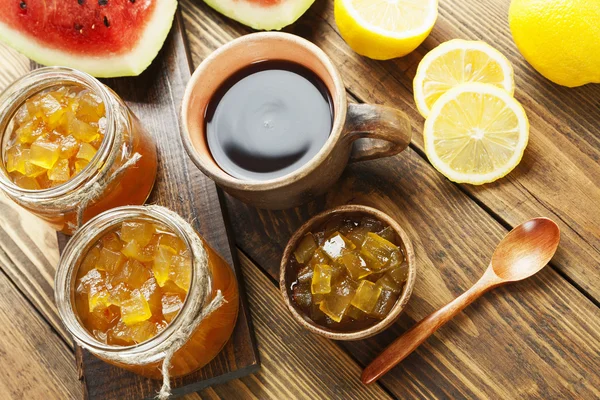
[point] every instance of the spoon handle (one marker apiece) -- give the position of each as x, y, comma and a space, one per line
416, 335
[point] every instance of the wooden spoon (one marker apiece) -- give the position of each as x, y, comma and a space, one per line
524, 251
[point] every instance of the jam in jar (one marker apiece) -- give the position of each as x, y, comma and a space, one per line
132, 282
71, 148
137, 282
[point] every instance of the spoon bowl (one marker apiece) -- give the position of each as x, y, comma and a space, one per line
524, 251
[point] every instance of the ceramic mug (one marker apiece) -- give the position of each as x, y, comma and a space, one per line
359, 132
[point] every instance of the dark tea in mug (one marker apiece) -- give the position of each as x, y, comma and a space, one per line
268, 120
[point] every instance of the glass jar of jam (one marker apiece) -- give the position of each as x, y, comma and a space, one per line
71, 148
137, 284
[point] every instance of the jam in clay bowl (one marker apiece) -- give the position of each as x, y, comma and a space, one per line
288, 272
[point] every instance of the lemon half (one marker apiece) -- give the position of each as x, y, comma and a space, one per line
385, 29
456, 62
476, 133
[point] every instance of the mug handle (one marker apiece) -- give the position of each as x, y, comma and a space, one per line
385, 131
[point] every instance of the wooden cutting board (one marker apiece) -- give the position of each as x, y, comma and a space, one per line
155, 97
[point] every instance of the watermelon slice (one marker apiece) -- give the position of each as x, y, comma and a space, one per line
262, 14
104, 38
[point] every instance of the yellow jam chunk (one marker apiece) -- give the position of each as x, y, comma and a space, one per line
60, 172
377, 251
366, 296
171, 304
349, 272
110, 260
336, 304
135, 309
44, 153
138, 232
132, 282
354, 264
319, 257
55, 134
162, 263
336, 245
321, 280
306, 248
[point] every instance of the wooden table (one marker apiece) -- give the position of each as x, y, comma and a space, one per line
534, 339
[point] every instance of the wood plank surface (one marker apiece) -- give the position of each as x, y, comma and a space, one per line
456, 362
36, 363
535, 339
29, 258
540, 334
559, 176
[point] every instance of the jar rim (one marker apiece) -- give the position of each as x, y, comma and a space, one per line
15, 95
77, 248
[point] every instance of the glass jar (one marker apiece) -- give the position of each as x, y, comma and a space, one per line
122, 172
195, 336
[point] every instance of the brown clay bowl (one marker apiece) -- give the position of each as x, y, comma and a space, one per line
286, 276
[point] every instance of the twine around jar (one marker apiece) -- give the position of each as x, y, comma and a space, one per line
98, 188
181, 337
197, 308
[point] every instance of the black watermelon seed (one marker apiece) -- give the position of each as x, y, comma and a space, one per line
106, 23
23, 5
80, 2
78, 27
102, 2
132, 1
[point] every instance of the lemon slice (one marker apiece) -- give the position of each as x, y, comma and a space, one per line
476, 133
384, 29
459, 61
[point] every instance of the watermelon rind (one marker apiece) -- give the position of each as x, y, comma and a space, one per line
265, 17
131, 63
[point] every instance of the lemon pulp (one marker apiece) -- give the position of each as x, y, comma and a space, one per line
456, 62
476, 133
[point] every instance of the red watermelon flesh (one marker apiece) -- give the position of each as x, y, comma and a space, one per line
102, 37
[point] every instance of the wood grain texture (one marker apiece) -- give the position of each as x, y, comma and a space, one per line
559, 176
36, 363
537, 338
523, 252
547, 349
545, 333
29, 258
14, 65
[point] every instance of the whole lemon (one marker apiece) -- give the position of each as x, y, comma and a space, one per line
559, 38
